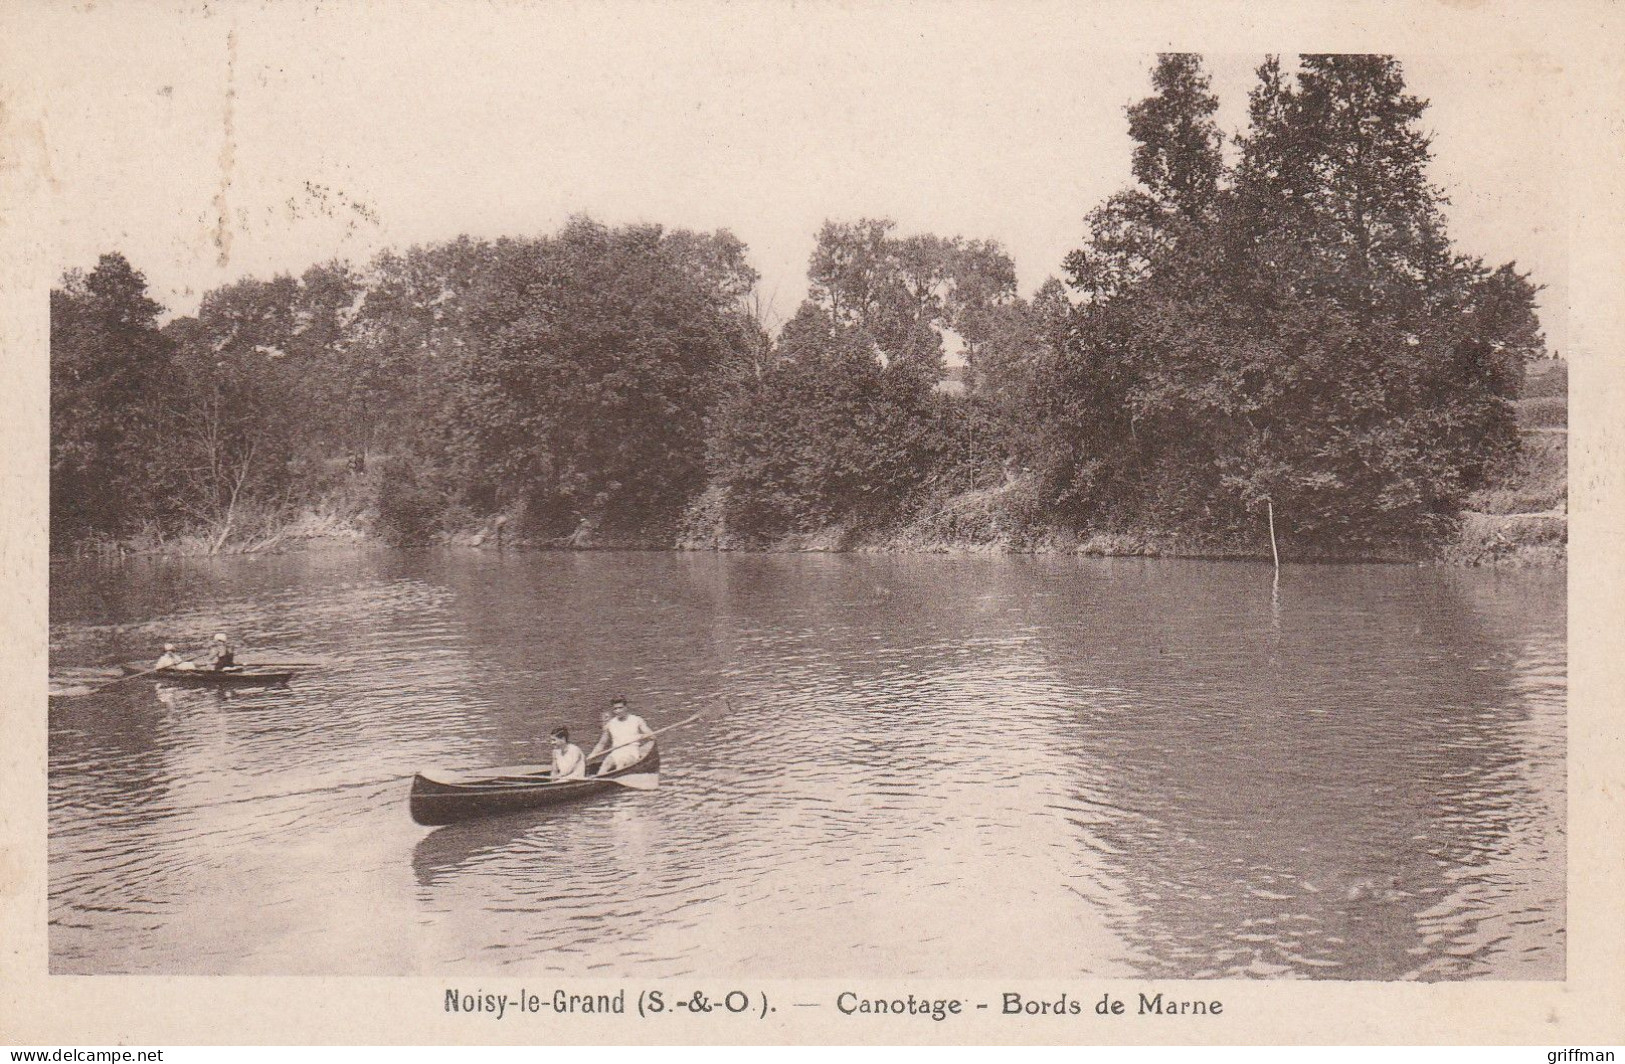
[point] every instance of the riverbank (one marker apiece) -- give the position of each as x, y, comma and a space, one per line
974, 523
987, 521
1519, 520
999, 521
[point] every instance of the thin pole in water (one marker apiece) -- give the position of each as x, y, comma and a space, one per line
1273, 552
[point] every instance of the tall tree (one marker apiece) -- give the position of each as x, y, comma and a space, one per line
107, 360
235, 410
1337, 160
320, 358
1305, 343
584, 396
824, 435
1179, 166
413, 328
1177, 148
905, 293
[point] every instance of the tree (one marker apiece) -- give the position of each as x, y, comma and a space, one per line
825, 435
905, 293
319, 351
235, 408
1336, 160
1177, 151
981, 303
1298, 339
410, 333
582, 399
1179, 165
1346, 238
107, 359
842, 423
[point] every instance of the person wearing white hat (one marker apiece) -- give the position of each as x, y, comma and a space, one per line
171, 659
221, 654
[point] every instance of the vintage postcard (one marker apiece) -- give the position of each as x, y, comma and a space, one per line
555, 523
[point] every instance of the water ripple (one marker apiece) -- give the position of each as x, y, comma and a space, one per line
1029, 767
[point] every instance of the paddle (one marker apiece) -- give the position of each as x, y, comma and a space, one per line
638, 781
685, 722
648, 781
121, 679
642, 781
102, 687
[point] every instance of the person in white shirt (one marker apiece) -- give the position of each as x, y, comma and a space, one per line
222, 655
620, 742
569, 763
171, 659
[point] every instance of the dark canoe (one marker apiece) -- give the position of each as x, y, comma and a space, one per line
446, 797
236, 676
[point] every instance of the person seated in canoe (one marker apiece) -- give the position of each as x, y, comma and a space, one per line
569, 763
221, 654
171, 659
619, 743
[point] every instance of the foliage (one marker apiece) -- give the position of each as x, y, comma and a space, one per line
1177, 143
843, 425
1297, 337
108, 360
1291, 333
825, 434
902, 294
409, 504
582, 398
567, 377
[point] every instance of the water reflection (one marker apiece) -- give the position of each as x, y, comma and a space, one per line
1029, 767
1312, 806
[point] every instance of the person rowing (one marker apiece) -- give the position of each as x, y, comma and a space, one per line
171, 659
569, 763
620, 744
222, 655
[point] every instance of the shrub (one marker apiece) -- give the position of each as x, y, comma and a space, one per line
1546, 380
410, 506
1544, 412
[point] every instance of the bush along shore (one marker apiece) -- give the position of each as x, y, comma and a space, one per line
1271, 349
1521, 520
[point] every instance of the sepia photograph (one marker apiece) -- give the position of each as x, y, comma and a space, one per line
578, 506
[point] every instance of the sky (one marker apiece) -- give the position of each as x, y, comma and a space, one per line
213, 142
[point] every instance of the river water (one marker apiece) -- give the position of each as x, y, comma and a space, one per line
966, 766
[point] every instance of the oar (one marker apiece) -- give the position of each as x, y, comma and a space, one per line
685, 722
121, 679
102, 687
648, 781
637, 781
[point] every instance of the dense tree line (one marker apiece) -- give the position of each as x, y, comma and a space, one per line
1282, 330
564, 380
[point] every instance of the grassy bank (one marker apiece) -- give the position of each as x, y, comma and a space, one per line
1002, 520
988, 521
1523, 518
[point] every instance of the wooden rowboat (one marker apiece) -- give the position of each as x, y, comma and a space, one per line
236, 676
446, 797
